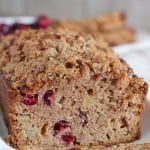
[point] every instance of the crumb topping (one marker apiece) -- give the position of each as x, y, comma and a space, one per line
39, 56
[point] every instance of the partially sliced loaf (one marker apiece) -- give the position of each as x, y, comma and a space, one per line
63, 89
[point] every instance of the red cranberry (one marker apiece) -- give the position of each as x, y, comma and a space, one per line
83, 117
23, 27
30, 99
61, 125
44, 22
4, 29
68, 138
18, 26
49, 97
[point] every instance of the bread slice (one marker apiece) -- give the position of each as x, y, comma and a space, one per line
115, 37
103, 23
63, 89
112, 28
108, 22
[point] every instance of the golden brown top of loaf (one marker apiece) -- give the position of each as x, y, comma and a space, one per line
38, 56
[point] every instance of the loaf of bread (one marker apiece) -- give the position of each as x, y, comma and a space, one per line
112, 28
117, 37
62, 89
108, 22
103, 23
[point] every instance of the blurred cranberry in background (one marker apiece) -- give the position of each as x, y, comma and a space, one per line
23, 26
4, 29
43, 22
18, 26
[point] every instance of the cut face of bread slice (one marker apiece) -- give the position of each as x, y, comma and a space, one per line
62, 89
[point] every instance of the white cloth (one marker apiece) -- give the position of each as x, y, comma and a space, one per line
4, 146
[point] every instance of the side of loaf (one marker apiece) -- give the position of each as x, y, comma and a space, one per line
59, 90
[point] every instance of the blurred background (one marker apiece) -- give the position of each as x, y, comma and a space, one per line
138, 11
